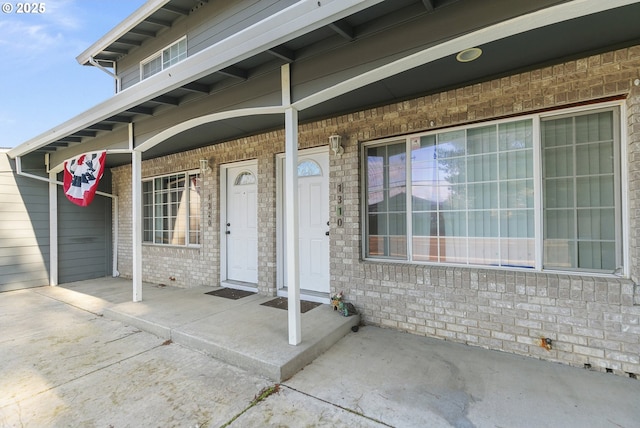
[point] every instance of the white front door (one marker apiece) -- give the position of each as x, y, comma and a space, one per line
313, 221
241, 228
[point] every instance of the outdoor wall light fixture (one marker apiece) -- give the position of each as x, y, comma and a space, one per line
469, 55
204, 166
335, 144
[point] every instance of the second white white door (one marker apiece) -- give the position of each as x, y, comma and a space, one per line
313, 221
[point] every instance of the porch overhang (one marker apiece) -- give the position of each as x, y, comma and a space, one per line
548, 32
194, 74
519, 39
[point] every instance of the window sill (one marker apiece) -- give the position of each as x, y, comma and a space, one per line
428, 265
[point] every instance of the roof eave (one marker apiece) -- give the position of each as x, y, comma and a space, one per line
302, 17
143, 12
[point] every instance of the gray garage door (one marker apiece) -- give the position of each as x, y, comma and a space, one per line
84, 237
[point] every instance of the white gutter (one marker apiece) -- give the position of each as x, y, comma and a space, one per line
53, 220
300, 18
117, 79
142, 13
53, 228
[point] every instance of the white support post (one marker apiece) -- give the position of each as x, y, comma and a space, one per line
114, 261
53, 230
136, 226
285, 83
291, 220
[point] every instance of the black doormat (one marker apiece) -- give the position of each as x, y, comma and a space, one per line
282, 303
230, 293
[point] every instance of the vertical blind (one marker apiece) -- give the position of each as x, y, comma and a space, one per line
580, 192
468, 195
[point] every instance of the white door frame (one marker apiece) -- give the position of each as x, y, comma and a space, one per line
280, 272
223, 222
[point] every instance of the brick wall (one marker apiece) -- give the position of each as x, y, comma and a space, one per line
591, 320
201, 266
180, 266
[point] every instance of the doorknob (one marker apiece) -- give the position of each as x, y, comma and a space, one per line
228, 224
327, 233
228, 232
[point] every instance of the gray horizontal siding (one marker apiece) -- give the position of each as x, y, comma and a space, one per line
223, 22
213, 22
84, 234
24, 229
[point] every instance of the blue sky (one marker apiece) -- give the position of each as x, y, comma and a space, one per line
42, 83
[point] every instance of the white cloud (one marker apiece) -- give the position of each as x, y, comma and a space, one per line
6, 119
18, 36
38, 40
42, 82
63, 14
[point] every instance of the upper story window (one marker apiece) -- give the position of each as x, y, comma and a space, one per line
172, 209
541, 192
163, 59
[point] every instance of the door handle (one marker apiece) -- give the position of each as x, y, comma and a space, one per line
228, 232
327, 233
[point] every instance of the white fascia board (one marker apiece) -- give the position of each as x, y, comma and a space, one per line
201, 120
540, 18
142, 13
298, 19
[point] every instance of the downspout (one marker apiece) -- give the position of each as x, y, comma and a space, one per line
53, 229
21, 173
95, 63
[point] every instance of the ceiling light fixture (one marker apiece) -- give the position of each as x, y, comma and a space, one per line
469, 55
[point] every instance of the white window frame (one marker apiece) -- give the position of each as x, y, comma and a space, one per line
187, 215
619, 113
159, 54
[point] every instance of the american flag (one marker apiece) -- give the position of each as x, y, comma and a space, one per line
82, 175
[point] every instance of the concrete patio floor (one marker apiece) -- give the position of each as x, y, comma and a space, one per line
63, 366
240, 332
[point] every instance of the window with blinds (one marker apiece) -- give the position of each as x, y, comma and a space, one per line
534, 192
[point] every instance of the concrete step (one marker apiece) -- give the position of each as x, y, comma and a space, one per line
243, 332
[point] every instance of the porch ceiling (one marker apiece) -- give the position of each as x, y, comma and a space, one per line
545, 45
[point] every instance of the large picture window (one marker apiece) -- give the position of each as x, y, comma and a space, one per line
535, 192
172, 210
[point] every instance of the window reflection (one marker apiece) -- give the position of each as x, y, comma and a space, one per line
245, 177
387, 195
309, 168
471, 196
